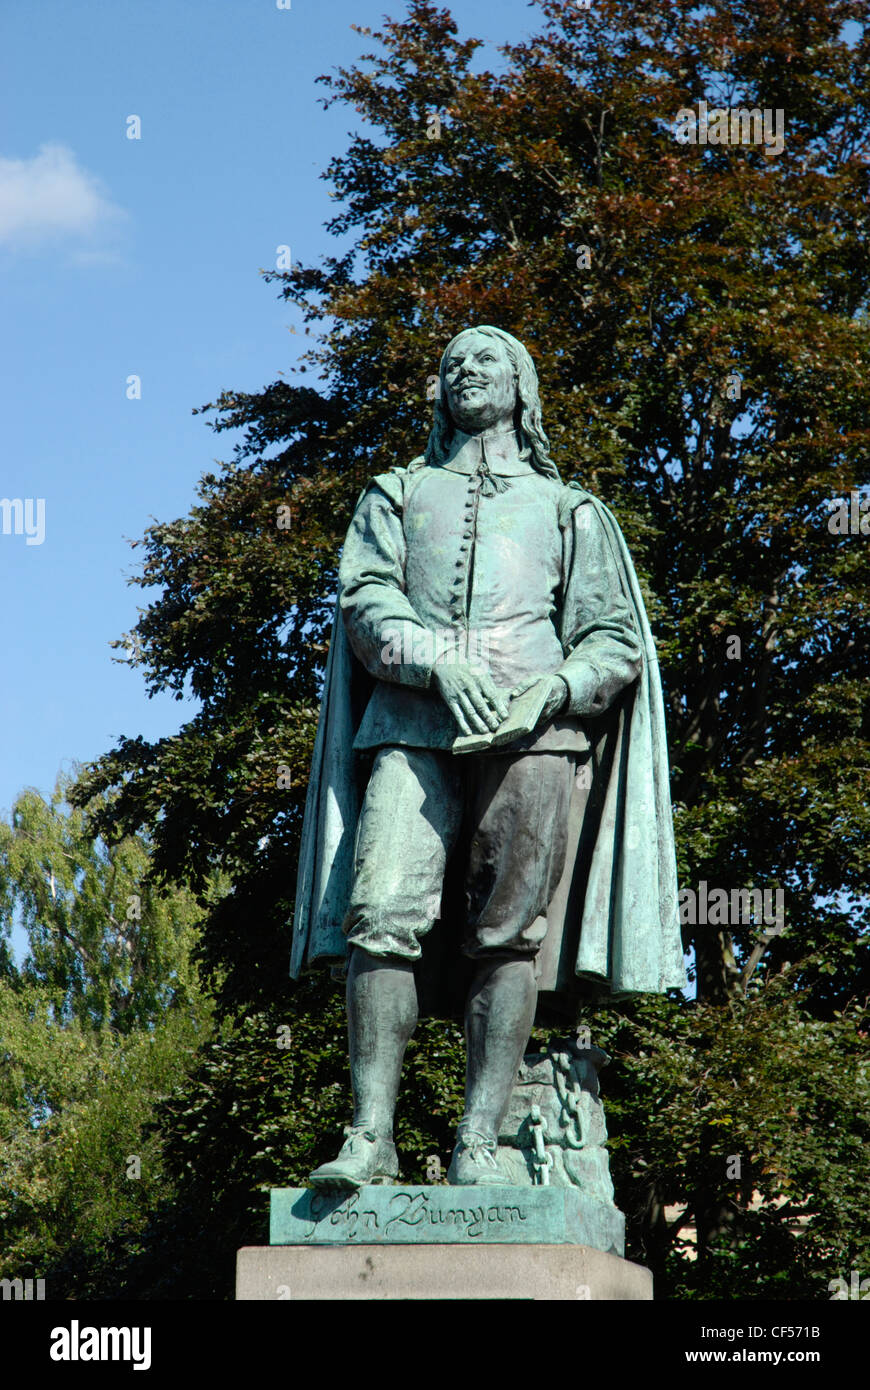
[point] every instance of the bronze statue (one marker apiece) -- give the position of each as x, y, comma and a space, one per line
488, 807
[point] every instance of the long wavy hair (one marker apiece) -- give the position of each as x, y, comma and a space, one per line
527, 413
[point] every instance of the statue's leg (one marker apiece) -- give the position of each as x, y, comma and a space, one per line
409, 820
516, 859
498, 1020
381, 1016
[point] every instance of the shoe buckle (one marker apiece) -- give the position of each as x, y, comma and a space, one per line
478, 1145
359, 1132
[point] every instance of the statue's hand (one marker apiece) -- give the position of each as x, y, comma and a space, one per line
557, 697
471, 695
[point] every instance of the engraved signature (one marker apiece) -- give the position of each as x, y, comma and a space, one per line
352, 1221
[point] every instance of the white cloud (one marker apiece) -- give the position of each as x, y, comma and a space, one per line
51, 196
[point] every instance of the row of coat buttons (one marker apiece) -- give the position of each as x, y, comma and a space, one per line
467, 535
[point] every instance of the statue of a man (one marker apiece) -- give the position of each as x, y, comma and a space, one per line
490, 759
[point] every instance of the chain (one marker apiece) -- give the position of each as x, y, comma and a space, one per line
570, 1093
542, 1159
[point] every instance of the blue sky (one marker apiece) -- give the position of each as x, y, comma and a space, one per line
122, 257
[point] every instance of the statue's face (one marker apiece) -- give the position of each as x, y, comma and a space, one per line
479, 382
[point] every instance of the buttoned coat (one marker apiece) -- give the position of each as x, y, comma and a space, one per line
541, 570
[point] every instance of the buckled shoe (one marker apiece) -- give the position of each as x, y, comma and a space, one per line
364, 1157
474, 1160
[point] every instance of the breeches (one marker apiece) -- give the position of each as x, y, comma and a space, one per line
505, 816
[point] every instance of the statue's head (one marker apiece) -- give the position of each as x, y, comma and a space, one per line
487, 376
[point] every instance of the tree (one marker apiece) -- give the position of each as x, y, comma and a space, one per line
104, 948
698, 315
102, 1018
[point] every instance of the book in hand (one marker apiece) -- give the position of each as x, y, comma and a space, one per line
522, 718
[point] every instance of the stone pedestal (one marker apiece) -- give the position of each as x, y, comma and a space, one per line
441, 1242
454, 1271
